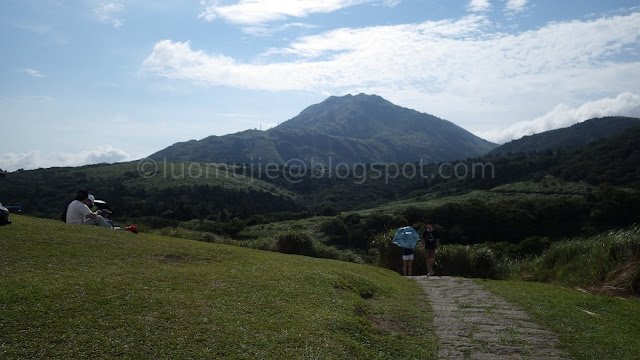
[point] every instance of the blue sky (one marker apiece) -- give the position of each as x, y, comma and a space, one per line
87, 81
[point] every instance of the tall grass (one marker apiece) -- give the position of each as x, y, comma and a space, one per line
610, 261
472, 261
607, 260
455, 260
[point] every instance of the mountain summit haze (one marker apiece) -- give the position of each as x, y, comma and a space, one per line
348, 129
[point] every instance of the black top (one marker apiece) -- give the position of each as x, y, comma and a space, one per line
407, 251
430, 239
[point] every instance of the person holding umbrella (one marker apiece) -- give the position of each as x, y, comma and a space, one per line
406, 238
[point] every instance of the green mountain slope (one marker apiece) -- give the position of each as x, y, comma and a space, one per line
576, 135
348, 129
218, 192
185, 190
72, 291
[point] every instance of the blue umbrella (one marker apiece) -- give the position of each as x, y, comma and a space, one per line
406, 237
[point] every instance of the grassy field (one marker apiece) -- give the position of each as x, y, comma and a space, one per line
159, 175
70, 291
588, 326
511, 193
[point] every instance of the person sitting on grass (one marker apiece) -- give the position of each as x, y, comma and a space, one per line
78, 211
106, 214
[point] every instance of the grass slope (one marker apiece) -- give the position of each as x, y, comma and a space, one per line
514, 192
71, 291
589, 326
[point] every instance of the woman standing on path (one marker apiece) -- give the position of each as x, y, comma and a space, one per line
430, 243
407, 261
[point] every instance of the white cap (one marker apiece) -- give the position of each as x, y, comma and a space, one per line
92, 199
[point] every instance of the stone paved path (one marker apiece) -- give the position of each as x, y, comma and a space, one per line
472, 323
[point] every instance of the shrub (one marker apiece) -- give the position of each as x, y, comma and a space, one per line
483, 263
454, 260
336, 230
378, 222
414, 214
534, 245
328, 210
257, 220
358, 238
471, 261
155, 222
233, 227
208, 226
389, 255
295, 242
352, 219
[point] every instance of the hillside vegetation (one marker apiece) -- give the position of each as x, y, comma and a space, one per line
535, 198
577, 135
71, 291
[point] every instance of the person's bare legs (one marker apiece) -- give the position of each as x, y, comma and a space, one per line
408, 267
430, 254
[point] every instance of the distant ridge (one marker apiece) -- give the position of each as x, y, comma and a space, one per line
348, 129
576, 135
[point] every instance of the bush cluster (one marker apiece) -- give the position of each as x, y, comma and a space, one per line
295, 242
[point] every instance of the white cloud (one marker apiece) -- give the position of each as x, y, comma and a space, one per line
109, 12
479, 5
32, 72
461, 57
28, 99
37, 159
263, 30
338, 58
461, 70
516, 6
262, 11
625, 104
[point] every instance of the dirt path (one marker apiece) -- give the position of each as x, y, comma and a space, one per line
472, 323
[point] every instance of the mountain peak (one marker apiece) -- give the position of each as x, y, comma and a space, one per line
361, 116
351, 129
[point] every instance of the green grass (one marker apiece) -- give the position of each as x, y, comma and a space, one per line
159, 175
310, 224
429, 202
588, 326
610, 260
548, 185
70, 291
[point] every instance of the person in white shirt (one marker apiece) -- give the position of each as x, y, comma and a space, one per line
78, 211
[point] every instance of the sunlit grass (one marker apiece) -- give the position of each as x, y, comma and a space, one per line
588, 326
72, 291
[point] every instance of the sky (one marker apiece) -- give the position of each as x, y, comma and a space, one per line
91, 81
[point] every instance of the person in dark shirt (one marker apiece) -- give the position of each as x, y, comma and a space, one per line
430, 243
